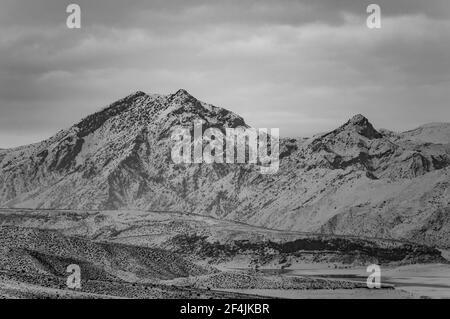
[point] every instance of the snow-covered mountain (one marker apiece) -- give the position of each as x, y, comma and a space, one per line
353, 180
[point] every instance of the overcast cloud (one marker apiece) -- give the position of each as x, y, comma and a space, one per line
304, 66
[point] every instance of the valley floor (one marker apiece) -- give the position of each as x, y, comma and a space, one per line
410, 281
131, 255
360, 293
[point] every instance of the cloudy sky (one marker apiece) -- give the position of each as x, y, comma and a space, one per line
304, 66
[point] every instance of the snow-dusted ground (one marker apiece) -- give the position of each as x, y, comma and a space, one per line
328, 293
431, 280
158, 229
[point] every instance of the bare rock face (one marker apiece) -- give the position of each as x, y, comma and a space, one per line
352, 180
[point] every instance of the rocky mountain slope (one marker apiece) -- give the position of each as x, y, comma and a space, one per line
36, 251
353, 180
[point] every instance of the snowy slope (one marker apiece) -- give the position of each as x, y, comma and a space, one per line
438, 133
352, 180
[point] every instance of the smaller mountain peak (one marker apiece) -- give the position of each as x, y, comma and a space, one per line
182, 96
138, 93
182, 92
362, 126
359, 119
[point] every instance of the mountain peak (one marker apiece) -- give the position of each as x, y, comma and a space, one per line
182, 96
138, 93
182, 92
362, 126
359, 119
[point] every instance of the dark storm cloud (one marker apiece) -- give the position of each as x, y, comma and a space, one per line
302, 65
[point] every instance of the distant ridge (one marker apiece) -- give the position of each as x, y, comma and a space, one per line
438, 133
